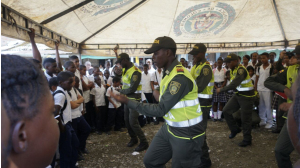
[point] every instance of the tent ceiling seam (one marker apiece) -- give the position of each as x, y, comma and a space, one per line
173, 18
65, 11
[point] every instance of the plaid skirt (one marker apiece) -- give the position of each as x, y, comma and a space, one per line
274, 105
221, 97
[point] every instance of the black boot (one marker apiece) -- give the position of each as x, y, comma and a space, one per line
132, 142
233, 133
141, 147
244, 143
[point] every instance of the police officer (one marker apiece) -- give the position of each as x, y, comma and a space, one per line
282, 82
242, 99
202, 73
131, 77
181, 138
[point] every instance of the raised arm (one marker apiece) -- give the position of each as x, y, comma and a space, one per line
58, 61
35, 51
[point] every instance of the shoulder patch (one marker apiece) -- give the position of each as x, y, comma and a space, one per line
241, 71
240, 65
208, 62
205, 71
134, 78
135, 68
174, 87
281, 71
179, 69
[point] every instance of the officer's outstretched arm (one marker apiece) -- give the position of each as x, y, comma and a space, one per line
134, 83
204, 78
176, 90
240, 76
277, 82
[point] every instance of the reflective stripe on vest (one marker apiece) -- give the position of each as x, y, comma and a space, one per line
186, 123
138, 91
186, 103
204, 96
211, 84
244, 88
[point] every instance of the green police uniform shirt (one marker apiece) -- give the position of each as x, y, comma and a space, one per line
167, 102
134, 84
241, 75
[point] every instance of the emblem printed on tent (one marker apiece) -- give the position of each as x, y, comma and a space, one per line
204, 20
104, 6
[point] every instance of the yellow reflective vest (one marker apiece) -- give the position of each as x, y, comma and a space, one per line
246, 84
292, 74
187, 112
126, 79
208, 91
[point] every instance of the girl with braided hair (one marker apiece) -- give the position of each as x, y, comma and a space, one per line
29, 105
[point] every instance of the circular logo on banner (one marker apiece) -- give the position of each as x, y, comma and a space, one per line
104, 6
204, 20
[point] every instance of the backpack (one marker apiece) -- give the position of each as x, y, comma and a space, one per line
65, 103
271, 70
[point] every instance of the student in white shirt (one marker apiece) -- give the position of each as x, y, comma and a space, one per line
252, 74
220, 82
87, 85
98, 97
50, 68
79, 124
96, 72
155, 80
262, 73
114, 110
246, 60
75, 60
68, 141
150, 66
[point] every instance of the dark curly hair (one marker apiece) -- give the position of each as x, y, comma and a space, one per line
23, 85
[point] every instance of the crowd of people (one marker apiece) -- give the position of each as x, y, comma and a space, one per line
89, 98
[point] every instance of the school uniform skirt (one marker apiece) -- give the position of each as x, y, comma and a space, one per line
221, 97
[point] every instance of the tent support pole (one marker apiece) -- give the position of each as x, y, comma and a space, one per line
79, 54
280, 24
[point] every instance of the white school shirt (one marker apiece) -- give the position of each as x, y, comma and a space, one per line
75, 112
151, 70
110, 81
263, 75
48, 76
59, 99
219, 76
77, 73
99, 93
109, 90
145, 81
157, 77
86, 94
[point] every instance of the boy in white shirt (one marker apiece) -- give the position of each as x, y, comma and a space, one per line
262, 73
68, 141
98, 97
114, 112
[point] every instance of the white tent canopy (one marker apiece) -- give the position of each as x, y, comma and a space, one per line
97, 26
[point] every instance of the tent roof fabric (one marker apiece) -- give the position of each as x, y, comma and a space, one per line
100, 24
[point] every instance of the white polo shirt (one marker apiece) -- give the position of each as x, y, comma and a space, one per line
77, 73
99, 93
92, 78
263, 75
157, 77
109, 90
86, 94
219, 75
59, 99
48, 76
145, 81
77, 111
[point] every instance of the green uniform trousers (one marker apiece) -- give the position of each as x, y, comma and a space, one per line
284, 148
185, 153
132, 123
205, 155
279, 114
235, 103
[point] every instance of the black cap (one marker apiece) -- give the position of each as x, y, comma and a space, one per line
231, 57
297, 49
161, 42
198, 48
121, 57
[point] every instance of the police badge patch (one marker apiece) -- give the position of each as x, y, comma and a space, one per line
205, 71
241, 71
174, 87
134, 78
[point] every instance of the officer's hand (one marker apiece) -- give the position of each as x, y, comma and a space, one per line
287, 92
156, 95
218, 90
285, 106
120, 98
